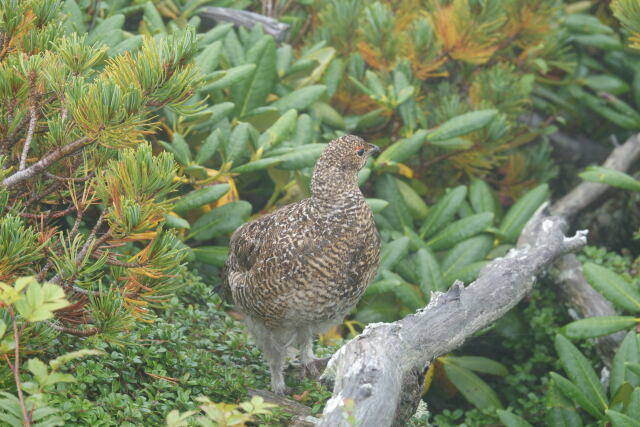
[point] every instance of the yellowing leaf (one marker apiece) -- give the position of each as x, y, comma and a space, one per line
464, 38
428, 378
331, 336
405, 170
231, 196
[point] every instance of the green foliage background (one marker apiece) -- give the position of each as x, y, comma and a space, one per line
187, 129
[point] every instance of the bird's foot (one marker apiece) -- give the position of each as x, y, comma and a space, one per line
282, 390
314, 367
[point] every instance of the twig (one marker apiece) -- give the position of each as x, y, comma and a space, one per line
92, 236
27, 141
115, 262
16, 367
74, 331
48, 190
67, 178
83, 251
49, 214
96, 5
12, 138
162, 377
45, 162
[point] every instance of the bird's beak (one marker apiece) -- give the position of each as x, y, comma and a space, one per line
374, 150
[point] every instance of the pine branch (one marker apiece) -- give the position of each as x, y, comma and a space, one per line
48, 215
46, 161
9, 140
112, 261
73, 331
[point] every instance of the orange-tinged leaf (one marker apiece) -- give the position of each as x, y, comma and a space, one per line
445, 28
147, 235
473, 54
332, 335
405, 170
428, 378
373, 56
136, 302
424, 71
231, 196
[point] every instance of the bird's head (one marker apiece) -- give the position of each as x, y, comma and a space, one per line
338, 166
348, 153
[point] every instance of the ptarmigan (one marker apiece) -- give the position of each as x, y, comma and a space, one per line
299, 270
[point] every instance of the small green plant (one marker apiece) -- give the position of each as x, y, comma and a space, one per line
620, 405
221, 414
27, 302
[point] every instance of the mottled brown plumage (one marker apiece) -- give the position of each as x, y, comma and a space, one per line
299, 270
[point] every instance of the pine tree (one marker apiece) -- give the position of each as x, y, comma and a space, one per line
82, 196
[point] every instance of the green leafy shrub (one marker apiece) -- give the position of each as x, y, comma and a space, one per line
82, 197
453, 240
620, 405
404, 71
27, 302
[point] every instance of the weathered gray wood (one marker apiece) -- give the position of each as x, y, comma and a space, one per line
246, 19
586, 301
576, 150
567, 275
372, 371
621, 158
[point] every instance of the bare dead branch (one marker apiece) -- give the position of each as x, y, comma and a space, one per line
567, 275
27, 142
380, 370
246, 19
571, 149
67, 178
48, 215
113, 261
74, 331
16, 367
46, 161
621, 158
586, 301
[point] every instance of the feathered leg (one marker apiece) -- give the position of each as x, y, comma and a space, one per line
276, 366
309, 359
273, 344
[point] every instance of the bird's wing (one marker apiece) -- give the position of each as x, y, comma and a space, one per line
264, 254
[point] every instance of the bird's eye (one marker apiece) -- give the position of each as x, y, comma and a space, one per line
360, 152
